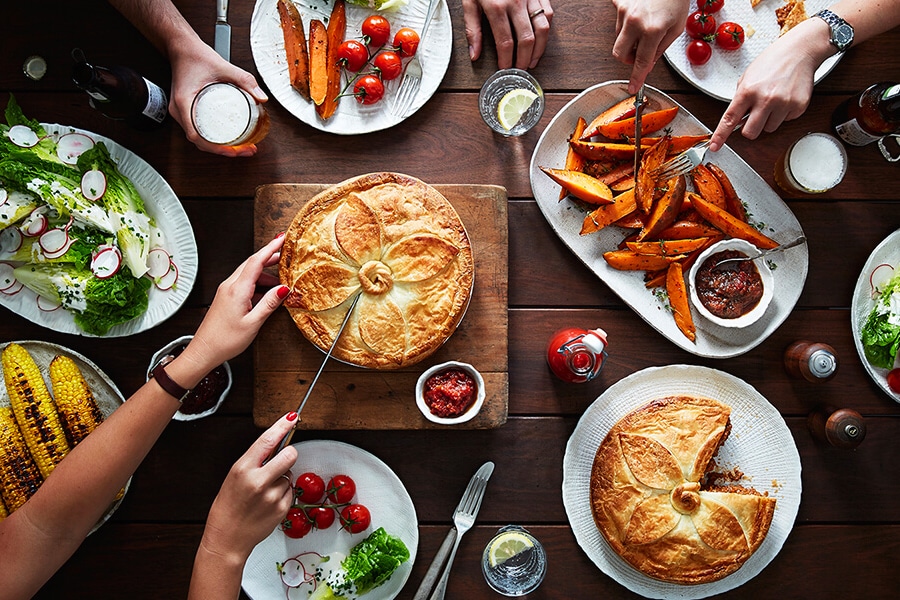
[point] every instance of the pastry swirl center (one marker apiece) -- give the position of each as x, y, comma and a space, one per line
685, 497
375, 277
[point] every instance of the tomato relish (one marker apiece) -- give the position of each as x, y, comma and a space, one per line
729, 292
450, 393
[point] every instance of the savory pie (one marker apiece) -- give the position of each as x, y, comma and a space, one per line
398, 244
654, 503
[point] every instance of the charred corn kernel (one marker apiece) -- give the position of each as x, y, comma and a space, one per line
3, 513
19, 474
34, 409
74, 401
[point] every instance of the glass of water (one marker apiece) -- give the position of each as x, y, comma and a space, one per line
514, 562
511, 102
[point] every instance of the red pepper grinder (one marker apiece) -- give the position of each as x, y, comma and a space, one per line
812, 361
576, 355
842, 428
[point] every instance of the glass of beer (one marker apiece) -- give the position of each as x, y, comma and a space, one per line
814, 164
224, 114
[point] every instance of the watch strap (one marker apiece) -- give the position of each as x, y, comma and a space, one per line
834, 22
165, 382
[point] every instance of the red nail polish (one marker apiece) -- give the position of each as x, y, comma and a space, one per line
281, 234
283, 291
291, 416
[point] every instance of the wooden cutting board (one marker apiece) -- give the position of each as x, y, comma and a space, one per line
350, 397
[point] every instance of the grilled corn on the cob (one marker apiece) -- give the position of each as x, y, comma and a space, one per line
3, 513
74, 400
33, 408
19, 474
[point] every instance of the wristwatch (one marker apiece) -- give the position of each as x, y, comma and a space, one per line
165, 382
841, 30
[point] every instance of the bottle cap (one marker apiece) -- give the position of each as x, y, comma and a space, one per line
35, 67
822, 363
595, 340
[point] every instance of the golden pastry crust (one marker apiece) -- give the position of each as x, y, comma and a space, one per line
648, 499
399, 243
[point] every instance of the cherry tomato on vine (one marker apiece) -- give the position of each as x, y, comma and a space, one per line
322, 517
406, 41
296, 524
388, 62
699, 52
353, 55
368, 89
377, 29
729, 36
700, 25
355, 518
710, 6
309, 488
341, 488
893, 380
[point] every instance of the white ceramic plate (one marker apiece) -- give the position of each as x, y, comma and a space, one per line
163, 205
106, 394
720, 75
351, 117
887, 252
377, 487
764, 205
760, 445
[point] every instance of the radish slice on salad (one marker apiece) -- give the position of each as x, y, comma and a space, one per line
4, 196
300, 569
53, 240
73, 145
23, 136
158, 261
167, 281
93, 185
10, 240
879, 277
106, 262
17, 287
47, 305
7, 277
35, 224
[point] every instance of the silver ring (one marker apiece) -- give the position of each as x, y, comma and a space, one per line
535, 13
287, 478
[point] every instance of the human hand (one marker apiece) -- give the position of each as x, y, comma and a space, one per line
193, 70
644, 29
532, 33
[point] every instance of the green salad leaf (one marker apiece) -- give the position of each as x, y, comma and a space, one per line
369, 564
880, 335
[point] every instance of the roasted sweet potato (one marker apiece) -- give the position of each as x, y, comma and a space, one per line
667, 247
650, 122
626, 183
646, 184
665, 210
683, 229
627, 260
609, 213
677, 143
678, 300
295, 46
733, 202
605, 150
620, 110
337, 26
610, 172
633, 220
318, 61
706, 184
582, 186
731, 225
574, 161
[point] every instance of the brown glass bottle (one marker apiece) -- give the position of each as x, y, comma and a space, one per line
121, 93
869, 115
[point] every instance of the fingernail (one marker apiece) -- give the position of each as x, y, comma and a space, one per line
471, 53
282, 292
280, 234
291, 416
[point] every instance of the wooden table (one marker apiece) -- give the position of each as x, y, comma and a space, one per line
845, 541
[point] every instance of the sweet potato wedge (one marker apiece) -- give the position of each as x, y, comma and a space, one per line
609, 213
620, 110
295, 46
318, 61
605, 150
337, 26
582, 186
626, 183
650, 122
633, 220
646, 184
627, 260
678, 300
706, 184
733, 202
677, 143
665, 210
731, 225
667, 247
574, 161
684, 228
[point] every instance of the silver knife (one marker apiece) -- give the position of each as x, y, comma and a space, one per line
223, 30
638, 109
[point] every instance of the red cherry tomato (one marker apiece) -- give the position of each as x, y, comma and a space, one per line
699, 52
353, 55
700, 25
406, 41
368, 89
309, 488
322, 517
296, 524
710, 6
729, 36
341, 488
893, 380
377, 29
388, 62
355, 518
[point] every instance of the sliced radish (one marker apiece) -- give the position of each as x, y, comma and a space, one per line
300, 569
47, 305
73, 145
4, 196
10, 240
35, 224
93, 185
158, 261
879, 277
7, 277
15, 289
167, 281
53, 240
106, 262
60, 252
23, 136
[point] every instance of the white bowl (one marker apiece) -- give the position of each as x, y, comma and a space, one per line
466, 416
764, 272
169, 349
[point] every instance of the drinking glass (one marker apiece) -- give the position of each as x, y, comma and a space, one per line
514, 562
224, 114
814, 164
501, 84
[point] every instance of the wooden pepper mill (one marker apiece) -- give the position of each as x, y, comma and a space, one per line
813, 361
842, 428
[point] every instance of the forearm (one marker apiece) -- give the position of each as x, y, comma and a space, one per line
215, 575
868, 17
161, 23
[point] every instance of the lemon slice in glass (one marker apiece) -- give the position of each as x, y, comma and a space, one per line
513, 105
508, 545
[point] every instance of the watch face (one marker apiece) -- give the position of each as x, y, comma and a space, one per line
843, 35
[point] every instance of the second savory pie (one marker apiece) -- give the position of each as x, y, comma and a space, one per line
653, 501
396, 242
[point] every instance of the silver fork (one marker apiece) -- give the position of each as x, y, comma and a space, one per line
463, 519
761, 253
412, 79
685, 162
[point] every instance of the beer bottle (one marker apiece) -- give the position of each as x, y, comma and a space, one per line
869, 115
121, 93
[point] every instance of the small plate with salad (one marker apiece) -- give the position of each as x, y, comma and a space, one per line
875, 314
93, 241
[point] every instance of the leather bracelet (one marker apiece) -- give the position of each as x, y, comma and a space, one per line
165, 382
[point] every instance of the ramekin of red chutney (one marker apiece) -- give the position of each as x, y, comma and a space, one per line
732, 290
450, 393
